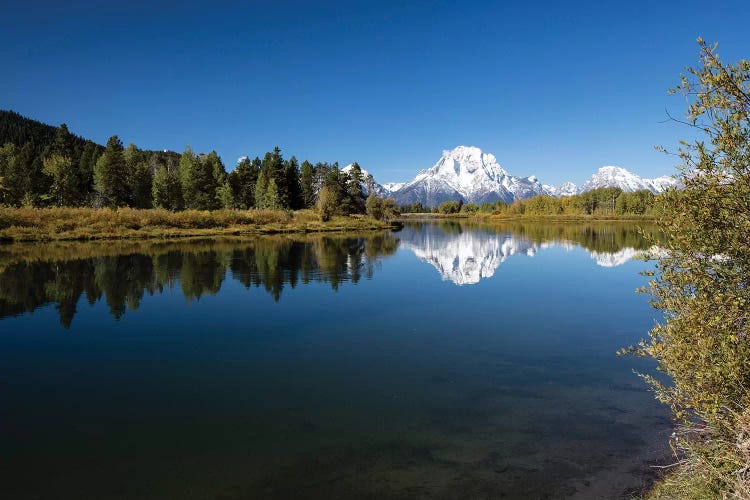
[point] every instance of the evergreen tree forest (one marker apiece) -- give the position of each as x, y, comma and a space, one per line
45, 166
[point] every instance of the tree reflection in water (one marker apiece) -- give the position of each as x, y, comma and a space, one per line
120, 274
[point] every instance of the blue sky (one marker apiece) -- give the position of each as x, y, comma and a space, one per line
555, 89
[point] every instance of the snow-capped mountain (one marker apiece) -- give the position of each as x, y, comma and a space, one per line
393, 186
564, 189
612, 176
378, 188
664, 182
466, 173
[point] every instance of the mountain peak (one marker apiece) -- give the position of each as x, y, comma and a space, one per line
564, 189
614, 176
473, 158
463, 152
469, 174
613, 169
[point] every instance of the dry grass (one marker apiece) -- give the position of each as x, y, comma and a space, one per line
49, 224
712, 464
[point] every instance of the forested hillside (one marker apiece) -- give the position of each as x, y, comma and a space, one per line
44, 166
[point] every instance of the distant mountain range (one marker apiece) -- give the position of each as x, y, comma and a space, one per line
467, 173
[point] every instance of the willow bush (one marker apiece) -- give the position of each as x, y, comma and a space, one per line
701, 284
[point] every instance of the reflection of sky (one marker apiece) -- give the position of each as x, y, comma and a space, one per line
468, 256
402, 357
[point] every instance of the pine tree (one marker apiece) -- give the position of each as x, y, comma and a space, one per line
243, 179
86, 163
35, 184
11, 170
273, 167
261, 185
272, 198
188, 162
111, 176
60, 164
208, 173
139, 177
63, 144
294, 189
306, 185
354, 197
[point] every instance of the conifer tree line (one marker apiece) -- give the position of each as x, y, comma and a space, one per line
43, 166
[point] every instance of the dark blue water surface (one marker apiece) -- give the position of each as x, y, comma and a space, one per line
441, 361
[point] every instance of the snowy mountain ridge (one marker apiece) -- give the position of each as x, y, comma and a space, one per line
467, 173
612, 176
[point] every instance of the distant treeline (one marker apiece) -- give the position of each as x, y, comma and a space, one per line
601, 201
44, 166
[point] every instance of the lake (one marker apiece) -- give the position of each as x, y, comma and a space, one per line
444, 360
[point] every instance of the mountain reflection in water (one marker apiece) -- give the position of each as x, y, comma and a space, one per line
467, 253
32, 276
175, 369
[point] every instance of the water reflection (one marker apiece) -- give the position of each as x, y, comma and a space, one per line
396, 389
120, 274
464, 257
33, 276
466, 253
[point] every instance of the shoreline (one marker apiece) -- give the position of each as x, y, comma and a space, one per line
545, 218
24, 225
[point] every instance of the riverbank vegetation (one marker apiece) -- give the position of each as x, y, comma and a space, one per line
46, 224
702, 284
45, 167
597, 203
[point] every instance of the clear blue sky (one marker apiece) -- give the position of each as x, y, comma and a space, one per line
552, 88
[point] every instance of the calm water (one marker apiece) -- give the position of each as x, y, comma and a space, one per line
441, 361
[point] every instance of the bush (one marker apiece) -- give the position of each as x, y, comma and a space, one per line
702, 284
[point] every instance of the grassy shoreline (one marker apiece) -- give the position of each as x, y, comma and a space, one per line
545, 218
85, 224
